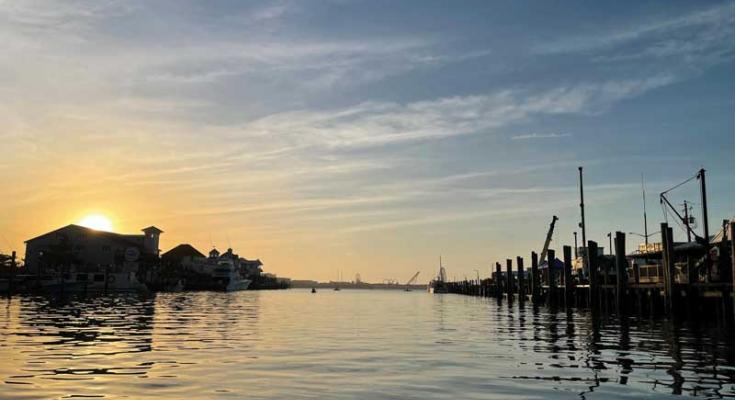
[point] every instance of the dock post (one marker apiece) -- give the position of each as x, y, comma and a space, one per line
509, 272
535, 282
592, 263
498, 281
636, 273
567, 275
621, 267
12, 273
521, 279
731, 236
672, 267
667, 264
664, 258
550, 258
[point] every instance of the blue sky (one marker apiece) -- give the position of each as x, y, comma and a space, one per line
366, 136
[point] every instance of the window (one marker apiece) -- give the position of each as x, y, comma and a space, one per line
106, 248
99, 277
82, 277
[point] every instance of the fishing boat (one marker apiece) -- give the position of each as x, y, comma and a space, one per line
439, 284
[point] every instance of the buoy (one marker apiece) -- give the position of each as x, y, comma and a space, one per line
313, 290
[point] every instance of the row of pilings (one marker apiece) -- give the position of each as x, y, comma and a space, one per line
616, 288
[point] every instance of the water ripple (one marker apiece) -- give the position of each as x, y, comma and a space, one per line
349, 344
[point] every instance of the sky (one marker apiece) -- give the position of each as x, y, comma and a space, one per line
366, 137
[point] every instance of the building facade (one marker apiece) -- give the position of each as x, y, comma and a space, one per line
86, 248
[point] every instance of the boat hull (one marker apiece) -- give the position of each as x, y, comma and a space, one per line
235, 286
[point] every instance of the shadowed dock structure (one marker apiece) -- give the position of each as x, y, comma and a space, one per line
683, 279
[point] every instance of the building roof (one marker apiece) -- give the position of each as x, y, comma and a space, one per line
181, 251
82, 229
130, 240
152, 229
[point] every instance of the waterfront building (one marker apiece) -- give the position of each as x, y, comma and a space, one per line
86, 248
204, 272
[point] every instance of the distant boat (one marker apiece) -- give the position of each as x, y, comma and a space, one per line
439, 284
339, 279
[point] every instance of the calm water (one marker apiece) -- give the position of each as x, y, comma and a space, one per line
347, 345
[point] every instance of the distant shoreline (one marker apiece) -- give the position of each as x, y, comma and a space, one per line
352, 285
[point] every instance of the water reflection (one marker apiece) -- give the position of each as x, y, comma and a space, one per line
349, 344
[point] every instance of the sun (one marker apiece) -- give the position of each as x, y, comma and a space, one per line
97, 221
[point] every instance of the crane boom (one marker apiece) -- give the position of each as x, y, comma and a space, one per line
413, 279
548, 239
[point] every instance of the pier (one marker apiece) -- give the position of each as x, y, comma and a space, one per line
617, 287
689, 279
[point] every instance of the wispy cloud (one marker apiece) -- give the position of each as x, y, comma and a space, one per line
701, 37
374, 124
532, 136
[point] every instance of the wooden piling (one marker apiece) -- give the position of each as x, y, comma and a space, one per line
509, 272
567, 275
521, 279
592, 261
551, 276
535, 281
731, 236
550, 263
664, 258
636, 273
621, 269
498, 281
667, 262
11, 275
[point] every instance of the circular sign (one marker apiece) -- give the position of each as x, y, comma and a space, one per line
132, 254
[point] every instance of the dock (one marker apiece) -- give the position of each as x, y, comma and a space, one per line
617, 287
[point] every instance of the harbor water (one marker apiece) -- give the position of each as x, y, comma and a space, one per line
350, 344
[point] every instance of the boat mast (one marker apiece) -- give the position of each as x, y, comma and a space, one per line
645, 215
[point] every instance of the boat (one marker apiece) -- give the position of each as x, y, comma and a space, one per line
177, 288
228, 277
439, 284
339, 279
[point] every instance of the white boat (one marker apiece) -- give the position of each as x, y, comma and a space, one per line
229, 276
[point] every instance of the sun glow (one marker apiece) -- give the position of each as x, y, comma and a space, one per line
97, 221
